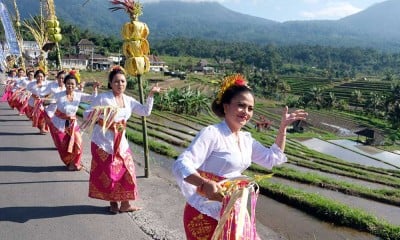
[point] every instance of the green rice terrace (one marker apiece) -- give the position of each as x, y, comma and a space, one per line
316, 183
342, 89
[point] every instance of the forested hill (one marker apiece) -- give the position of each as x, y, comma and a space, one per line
375, 27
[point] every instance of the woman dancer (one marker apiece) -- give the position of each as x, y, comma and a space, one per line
223, 151
112, 174
62, 121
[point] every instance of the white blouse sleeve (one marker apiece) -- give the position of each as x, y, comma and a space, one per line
194, 156
267, 157
190, 160
141, 109
85, 97
96, 102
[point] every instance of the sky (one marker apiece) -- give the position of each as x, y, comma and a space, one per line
286, 10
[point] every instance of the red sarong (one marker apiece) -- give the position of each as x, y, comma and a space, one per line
13, 100
112, 176
38, 115
68, 142
199, 226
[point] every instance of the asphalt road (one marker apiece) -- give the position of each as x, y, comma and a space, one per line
40, 199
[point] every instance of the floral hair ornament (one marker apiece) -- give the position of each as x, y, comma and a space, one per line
42, 69
229, 81
117, 68
76, 74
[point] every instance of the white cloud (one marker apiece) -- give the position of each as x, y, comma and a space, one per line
311, 1
331, 11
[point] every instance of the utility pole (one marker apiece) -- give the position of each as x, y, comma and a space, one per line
92, 56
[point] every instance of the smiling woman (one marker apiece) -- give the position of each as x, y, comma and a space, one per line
112, 174
224, 151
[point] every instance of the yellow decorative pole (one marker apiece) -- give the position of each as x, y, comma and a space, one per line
135, 49
53, 29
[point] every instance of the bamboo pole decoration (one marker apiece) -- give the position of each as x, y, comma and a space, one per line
144, 131
19, 35
53, 29
37, 27
135, 49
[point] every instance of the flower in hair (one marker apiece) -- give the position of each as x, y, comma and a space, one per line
117, 68
229, 81
76, 74
41, 68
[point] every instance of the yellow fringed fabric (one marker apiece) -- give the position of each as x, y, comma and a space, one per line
134, 30
108, 113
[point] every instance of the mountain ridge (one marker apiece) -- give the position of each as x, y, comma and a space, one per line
375, 27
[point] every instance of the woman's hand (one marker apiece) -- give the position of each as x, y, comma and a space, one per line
212, 190
154, 89
81, 86
289, 118
96, 85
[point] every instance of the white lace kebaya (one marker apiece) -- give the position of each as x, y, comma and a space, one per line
215, 150
65, 106
106, 141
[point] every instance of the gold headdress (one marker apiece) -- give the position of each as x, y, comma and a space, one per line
229, 81
43, 69
76, 74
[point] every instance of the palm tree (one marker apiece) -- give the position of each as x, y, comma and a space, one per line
357, 98
37, 27
374, 102
314, 97
392, 105
331, 100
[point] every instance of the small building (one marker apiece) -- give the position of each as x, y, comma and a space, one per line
369, 135
156, 64
85, 47
202, 66
298, 126
99, 62
75, 61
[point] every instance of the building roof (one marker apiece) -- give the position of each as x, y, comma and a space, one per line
155, 59
227, 61
203, 62
85, 42
366, 132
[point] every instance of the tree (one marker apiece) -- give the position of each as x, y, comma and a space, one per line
330, 100
314, 97
357, 98
392, 105
374, 103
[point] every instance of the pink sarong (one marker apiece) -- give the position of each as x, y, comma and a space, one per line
112, 176
23, 102
7, 93
67, 142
